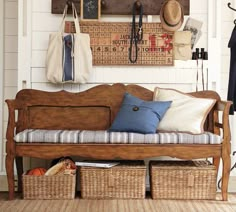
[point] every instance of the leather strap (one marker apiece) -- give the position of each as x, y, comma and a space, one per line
136, 36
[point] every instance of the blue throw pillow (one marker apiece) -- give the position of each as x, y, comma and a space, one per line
136, 115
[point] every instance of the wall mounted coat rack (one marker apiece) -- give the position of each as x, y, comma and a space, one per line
122, 7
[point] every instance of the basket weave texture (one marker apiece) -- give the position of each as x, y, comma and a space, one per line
182, 180
49, 187
126, 180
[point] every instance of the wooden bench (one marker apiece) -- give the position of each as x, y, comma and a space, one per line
95, 109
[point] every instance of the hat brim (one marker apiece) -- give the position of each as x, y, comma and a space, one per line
165, 25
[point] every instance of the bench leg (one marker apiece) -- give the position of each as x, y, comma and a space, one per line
19, 168
10, 175
225, 176
216, 163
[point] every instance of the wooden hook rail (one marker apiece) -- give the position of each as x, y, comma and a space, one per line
121, 7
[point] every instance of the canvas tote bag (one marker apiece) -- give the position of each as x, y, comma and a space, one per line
69, 57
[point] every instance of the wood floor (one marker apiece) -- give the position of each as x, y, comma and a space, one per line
146, 205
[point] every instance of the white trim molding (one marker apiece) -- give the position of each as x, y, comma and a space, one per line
24, 43
1, 78
214, 43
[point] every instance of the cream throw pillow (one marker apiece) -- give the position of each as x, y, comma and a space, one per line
186, 113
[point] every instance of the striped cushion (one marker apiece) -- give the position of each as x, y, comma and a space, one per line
89, 136
47, 136
105, 137
69, 136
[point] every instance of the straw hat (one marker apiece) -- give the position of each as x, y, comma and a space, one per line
171, 15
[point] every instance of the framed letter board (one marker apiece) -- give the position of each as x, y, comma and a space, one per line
90, 9
110, 42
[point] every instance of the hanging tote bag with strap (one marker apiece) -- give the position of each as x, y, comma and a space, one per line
69, 57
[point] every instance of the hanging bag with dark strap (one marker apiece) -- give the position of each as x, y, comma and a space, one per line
69, 57
136, 35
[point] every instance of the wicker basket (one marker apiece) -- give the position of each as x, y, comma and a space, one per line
49, 187
182, 180
126, 180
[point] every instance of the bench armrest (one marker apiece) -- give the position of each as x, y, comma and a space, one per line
11, 120
224, 106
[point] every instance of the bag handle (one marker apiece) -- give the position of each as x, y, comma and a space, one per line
75, 18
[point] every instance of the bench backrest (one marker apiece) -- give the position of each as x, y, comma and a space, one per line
94, 109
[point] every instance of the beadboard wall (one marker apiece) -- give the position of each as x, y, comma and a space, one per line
10, 49
40, 23
1, 73
182, 76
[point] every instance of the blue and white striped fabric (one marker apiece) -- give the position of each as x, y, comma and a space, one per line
69, 136
106, 137
47, 136
68, 58
89, 136
119, 137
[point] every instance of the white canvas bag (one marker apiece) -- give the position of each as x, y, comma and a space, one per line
79, 59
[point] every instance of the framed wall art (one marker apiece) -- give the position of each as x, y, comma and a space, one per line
90, 10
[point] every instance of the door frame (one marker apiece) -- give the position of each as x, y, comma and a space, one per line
2, 6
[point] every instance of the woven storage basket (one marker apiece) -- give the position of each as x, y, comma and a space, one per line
126, 180
182, 180
49, 187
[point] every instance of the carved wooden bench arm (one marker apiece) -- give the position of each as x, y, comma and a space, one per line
11, 120
224, 106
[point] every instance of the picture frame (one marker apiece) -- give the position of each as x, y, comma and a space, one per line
90, 10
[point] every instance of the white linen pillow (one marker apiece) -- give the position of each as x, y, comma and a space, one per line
185, 114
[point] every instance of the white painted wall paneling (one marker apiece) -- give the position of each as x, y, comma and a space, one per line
24, 43
1, 77
142, 75
10, 25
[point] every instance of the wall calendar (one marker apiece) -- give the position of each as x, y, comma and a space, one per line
110, 43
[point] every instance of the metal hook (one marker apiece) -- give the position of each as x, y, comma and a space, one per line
138, 4
69, 3
103, 3
229, 6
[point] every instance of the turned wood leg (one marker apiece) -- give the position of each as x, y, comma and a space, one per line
225, 176
216, 163
10, 175
19, 168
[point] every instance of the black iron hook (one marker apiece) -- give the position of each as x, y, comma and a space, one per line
229, 6
69, 3
138, 4
103, 3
